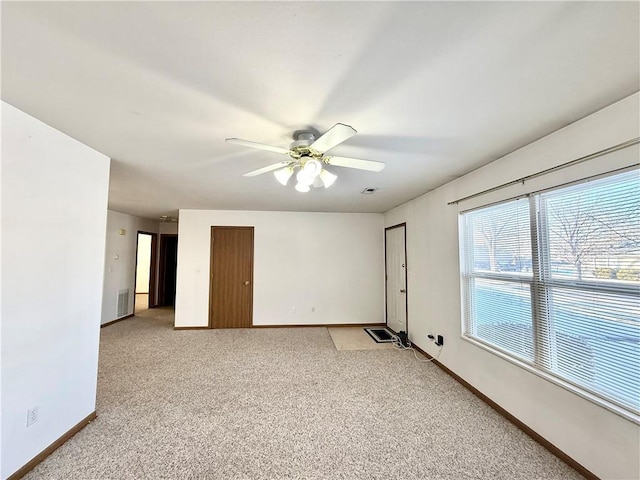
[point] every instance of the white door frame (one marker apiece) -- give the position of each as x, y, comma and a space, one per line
386, 271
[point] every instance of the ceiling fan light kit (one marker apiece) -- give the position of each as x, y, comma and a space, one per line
302, 188
327, 178
307, 154
283, 175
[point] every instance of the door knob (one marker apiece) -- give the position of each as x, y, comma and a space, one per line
246, 282
403, 291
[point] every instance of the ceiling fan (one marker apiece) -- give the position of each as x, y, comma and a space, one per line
308, 155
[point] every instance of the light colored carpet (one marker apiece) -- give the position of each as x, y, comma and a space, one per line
355, 338
283, 404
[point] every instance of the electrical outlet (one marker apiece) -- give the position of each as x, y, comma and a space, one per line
293, 309
32, 416
313, 309
440, 341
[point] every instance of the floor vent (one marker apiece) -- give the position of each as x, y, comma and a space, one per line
380, 335
123, 302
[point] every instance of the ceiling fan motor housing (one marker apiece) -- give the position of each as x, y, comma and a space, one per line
299, 148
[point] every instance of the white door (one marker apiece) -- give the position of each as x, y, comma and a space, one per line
396, 285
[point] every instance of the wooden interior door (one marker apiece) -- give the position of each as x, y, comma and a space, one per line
231, 286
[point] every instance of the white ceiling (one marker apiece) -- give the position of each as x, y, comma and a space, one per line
435, 89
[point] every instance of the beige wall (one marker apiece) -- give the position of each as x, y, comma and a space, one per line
329, 267
120, 260
143, 260
168, 228
54, 208
601, 440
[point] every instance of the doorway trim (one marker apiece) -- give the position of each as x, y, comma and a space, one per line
386, 293
153, 271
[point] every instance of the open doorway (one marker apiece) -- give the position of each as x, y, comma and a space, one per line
145, 286
167, 270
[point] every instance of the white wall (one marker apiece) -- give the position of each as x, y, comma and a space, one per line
332, 262
54, 207
168, 228
143, 263
119, 273
604, 442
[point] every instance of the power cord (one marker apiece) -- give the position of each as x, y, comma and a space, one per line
397, 344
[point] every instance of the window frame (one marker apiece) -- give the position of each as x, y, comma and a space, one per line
541, 283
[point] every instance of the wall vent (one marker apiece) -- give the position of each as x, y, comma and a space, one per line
123, 303
368, 191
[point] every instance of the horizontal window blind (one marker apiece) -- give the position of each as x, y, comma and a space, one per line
500, 239
593, 229
554, 280
502, 315
499, 263
596, 343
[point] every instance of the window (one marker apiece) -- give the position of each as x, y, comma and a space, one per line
553, 281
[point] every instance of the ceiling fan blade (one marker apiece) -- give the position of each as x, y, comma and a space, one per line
332, 137
354, 163
268, 168
260, 146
